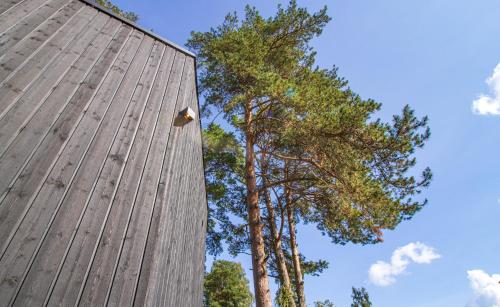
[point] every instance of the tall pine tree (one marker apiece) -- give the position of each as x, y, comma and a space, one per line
244, 68
301, 133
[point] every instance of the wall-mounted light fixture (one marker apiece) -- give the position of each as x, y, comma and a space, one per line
188, 114
185, 116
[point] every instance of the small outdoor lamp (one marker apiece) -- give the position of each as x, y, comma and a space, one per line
185, 116
188, 114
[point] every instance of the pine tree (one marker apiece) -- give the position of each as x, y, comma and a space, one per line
302, 134
244, 68
360, 298
226, 286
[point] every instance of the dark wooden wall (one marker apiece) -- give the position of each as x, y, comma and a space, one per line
102, 197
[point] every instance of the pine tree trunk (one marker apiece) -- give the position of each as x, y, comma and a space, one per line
299, 282
276, 240
278, 251
261, 282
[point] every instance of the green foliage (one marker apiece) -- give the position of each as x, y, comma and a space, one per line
326, 303
360, 298
309, 267
226, 286
313, 268
349, 173
115, 9
224, 164
253, 59
284, 297
353, 171
241, 61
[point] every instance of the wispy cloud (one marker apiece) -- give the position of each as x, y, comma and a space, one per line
489, 104
486, 289
384, 274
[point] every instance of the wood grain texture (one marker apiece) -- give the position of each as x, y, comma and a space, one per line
18, 12
56, 140
170, 247
28, 133
129, 196
102, 196
13, 35
28, 74
22, 51
7, 5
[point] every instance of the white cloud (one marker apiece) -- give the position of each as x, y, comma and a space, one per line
486, 289
489, 105
384, 274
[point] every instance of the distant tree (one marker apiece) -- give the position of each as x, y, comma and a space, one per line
326, 303
226, 286
360, 298
115, 9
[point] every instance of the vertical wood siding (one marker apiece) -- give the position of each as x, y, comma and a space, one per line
102, 196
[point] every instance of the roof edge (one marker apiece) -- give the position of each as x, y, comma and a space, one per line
133, 24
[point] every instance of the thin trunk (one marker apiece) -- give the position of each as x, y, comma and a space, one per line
276, 239
260, 279
299, 282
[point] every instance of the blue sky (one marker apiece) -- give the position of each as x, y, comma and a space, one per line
435, 56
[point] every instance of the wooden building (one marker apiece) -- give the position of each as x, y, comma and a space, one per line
102, 196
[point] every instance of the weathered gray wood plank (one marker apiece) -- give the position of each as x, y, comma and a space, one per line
41, 155
187, 276
44, 156
101, 274
164, 259
143, 259
198, 208
102, 197
7, 5
97, 208
106, 248
28, 74
172, 253
16, 126
178, 271
99, 113
21, 29
149, 278
22, 51
121, 286
16, 141
15, 210
35, 130
17, 13
79, 181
